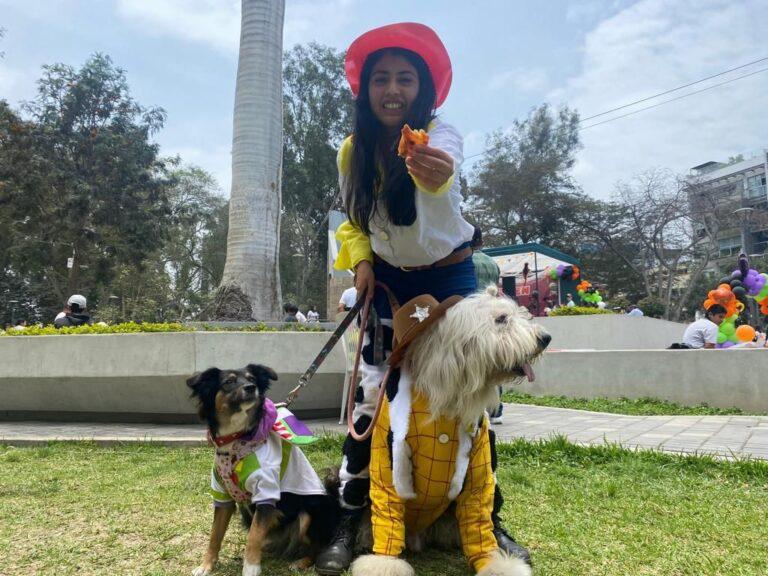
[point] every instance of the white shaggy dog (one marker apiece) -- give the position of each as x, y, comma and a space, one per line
452, 358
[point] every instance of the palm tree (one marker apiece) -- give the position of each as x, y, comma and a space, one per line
251, 267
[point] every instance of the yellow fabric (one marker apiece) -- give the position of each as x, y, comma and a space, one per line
433, 466
355, 246
344, 158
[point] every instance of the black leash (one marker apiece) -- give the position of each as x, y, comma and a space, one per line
320, 358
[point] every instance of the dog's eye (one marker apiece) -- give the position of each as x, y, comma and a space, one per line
501, 319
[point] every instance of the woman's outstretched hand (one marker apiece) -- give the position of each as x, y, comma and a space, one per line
431, 166
365, 280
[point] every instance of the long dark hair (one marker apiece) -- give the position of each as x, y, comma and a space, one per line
396, 190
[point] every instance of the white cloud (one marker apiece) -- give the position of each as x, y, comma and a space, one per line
520, 79
214, 22
655, 45
217, 22
17, 84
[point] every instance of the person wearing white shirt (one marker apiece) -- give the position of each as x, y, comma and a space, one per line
703, 333
635, 311
348, 299
570, 303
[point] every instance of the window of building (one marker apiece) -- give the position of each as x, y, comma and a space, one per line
756, 186
730, 246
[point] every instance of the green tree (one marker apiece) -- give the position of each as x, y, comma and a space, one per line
522, 189
80, 178
317, 113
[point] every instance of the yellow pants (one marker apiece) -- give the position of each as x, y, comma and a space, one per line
434, 448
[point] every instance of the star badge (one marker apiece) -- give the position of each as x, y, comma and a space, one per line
421, 314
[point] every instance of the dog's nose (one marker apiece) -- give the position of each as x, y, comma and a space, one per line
249, 388
544, 340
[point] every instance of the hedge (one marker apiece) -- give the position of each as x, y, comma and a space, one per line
134, 327
578, 311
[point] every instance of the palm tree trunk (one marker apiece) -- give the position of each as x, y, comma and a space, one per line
253, 242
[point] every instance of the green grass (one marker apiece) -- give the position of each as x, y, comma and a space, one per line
76, 508
633, 407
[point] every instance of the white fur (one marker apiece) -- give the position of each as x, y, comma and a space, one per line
377, 565
460, 361
201, 571
504, 565
251, 569
399, 418
462, 463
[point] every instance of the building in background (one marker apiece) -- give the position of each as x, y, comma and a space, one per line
736, 191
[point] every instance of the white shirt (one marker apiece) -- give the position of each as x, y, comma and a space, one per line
635, 312
300, 318
601, 305
313, 317
571, 304
439, 227
700, 332
349, 297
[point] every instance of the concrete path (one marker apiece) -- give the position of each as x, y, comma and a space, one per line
723, 436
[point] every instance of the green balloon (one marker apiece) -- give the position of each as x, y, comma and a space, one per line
728, 329
721, 337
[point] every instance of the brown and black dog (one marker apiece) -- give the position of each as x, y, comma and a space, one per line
281, 499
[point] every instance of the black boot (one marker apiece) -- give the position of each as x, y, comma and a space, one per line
508, 544
338, 555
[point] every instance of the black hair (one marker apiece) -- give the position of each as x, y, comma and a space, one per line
477, 237
75, 307
716, 309
392, 184
290, 307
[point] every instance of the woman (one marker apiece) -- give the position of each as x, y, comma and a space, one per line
405, 227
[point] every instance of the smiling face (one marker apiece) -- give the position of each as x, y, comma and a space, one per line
392, 89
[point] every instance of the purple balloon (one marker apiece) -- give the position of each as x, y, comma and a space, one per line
560, 268
726, 344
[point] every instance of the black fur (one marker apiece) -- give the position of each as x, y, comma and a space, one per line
358, 453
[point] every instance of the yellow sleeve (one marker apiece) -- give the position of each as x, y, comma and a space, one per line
475, 504
355, 246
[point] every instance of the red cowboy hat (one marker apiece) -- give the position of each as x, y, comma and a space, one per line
411, 36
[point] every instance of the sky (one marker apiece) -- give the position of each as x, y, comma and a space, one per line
508, 57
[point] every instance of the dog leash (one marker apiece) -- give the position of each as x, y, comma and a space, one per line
320, 358
360, 437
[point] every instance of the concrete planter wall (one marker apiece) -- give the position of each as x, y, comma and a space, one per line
721, 378
141, 377
611, 332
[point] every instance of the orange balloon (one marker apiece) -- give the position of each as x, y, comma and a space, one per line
708, 302
745, 333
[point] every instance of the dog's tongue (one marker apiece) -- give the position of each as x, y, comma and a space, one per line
529, 372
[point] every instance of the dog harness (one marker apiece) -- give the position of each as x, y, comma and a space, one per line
432, 461
257, 468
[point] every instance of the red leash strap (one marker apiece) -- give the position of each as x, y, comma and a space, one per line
353, 386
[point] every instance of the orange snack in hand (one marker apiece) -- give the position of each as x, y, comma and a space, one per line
408, 139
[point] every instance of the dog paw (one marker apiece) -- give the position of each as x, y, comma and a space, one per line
251, 569
377, 565
201, 571
502, 564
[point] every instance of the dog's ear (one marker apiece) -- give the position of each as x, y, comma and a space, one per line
204, 387
263, 375
202, 380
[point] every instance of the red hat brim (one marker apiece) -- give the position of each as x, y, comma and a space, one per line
411, 36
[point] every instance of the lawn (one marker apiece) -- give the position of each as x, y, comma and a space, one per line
76, 508
630, 406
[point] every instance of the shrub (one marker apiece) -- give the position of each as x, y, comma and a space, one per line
652, 306
578, 311
134, 327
